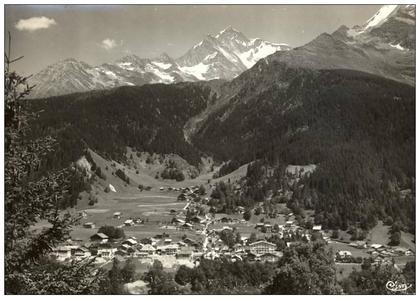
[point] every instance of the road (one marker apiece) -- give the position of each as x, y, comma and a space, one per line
206, 239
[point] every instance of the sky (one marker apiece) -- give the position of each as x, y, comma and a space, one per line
96, 34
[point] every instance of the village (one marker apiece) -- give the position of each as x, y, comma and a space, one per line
194, 233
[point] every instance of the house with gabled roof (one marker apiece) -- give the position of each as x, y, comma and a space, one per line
81, 253
129, 222
89, 225
147, 248
99, 238
130, 242
262, 247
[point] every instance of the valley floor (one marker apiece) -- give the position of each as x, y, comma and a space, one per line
153, 211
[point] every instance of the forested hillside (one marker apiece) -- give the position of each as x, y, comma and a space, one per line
148, 118
358, 128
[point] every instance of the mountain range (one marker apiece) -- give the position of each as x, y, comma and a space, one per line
384, 46
345, 102
223, 56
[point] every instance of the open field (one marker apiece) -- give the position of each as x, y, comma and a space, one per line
407, 240
380, 235
154, 207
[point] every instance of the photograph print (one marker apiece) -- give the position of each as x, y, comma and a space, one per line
194, 149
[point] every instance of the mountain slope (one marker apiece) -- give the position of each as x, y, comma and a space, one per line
358, 128
148, 118
223, 56
384, 46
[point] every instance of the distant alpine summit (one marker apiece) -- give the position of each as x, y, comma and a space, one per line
223, 56
385, 46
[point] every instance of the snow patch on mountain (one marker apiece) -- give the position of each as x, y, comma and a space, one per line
197, 71
249, 58
397, 46
162, 76
211, 56
162, 65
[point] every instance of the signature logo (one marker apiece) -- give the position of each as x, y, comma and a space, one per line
396, 286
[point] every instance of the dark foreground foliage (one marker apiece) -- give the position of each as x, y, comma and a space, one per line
31, 197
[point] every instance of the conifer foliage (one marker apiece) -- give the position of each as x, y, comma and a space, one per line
31, 198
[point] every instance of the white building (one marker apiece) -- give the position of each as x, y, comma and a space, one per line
129, 222
262, 247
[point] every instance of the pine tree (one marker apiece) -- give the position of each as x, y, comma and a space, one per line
30, 198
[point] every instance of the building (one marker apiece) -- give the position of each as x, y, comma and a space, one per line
226, 228
129, 222
89, 225
191, 242
187, 226
148, 249
409, 252
342, 254
289, 223
169, 249
198, 219
130, 242
124, 247
376, 246
140, 255
62, 253
81, 253
182, 244
178, 221
317, 228
182, 197
359, 244
262, 247
106, 252
226, 219
184, 253
99, 238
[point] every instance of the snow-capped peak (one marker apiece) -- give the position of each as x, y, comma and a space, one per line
228, 29
223, 56
381, 16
